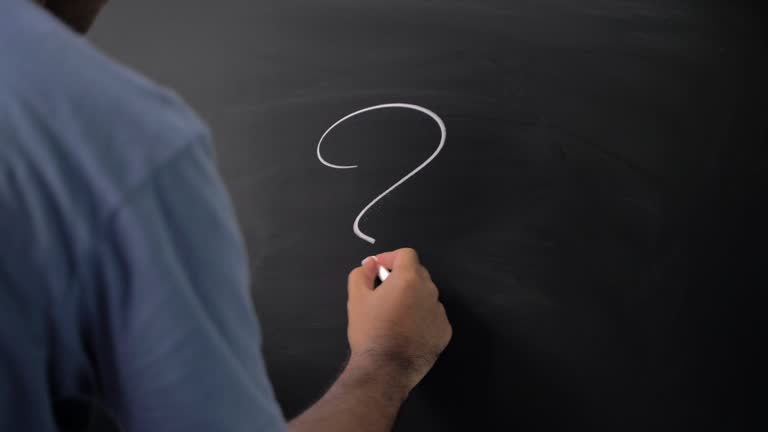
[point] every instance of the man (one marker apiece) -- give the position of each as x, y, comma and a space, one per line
123, 276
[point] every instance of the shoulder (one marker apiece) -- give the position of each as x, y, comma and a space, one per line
69, 85
63, 99
79, 130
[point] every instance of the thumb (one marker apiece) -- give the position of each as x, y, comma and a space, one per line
362, 278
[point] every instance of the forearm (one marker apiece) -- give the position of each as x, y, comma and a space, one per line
363, 398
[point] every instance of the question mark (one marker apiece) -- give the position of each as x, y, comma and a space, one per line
426, 111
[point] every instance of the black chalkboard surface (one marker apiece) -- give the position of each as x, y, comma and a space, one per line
587, 220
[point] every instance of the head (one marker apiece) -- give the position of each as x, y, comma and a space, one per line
78, 14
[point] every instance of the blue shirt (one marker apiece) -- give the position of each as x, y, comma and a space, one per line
123, 274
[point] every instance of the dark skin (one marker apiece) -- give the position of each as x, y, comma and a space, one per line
396, 331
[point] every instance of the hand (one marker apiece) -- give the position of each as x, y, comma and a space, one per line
400, 328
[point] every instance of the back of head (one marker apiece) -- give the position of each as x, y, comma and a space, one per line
78, 14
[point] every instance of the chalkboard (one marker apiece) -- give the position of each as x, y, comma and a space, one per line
586, 221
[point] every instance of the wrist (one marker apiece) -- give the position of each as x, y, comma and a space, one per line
379, 378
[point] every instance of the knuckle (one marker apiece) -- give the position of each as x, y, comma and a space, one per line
447, 330
353, 274
410, 253
411, 279
444, 313
433, 288
425, 273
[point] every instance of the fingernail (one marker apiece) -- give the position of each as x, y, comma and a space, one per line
365, 260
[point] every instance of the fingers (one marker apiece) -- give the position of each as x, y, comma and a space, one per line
405, 258
424, 273
362, 278
387, 259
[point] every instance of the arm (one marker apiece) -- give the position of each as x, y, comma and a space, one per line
175, 341
176, 344
360, 399
396, 332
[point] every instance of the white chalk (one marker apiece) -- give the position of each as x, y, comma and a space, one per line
435, 117
383, 273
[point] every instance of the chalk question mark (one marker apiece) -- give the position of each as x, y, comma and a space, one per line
435, 117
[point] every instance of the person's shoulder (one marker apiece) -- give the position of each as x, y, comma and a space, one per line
76, 125
59, 95
61, 79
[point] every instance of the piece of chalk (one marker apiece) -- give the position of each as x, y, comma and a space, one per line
383, 272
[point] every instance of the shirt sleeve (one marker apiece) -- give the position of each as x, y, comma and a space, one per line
174, 337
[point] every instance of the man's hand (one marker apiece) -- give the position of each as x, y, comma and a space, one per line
396, 333
399, 328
